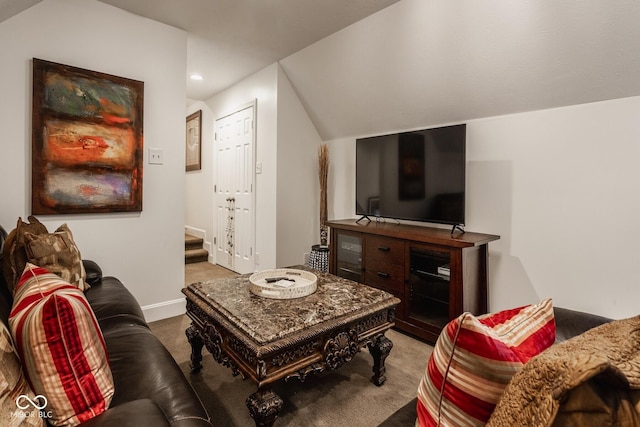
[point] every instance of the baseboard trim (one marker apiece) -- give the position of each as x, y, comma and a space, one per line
164, 310
198, 232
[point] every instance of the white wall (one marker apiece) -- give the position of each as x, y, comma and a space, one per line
145, 250
298, 211
559, 185
561, 188
261, 87
199, 184
287, 217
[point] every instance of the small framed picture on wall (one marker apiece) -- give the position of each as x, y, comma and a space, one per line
194, 141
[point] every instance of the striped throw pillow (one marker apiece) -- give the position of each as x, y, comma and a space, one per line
473, 360
61, 347
14, 389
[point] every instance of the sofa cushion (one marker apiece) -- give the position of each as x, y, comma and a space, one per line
58, 253
13, 385
14, 254
473, 360
142, 412
143, 368
61, 346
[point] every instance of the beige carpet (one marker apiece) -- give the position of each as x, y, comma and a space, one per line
341, 397
201, 271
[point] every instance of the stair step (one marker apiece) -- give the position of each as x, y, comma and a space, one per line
195, 255
192, 242
194, 245
193, 251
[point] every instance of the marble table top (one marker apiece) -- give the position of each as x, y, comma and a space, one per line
266, 320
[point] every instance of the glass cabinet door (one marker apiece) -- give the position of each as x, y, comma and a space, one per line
429, 287
349, 256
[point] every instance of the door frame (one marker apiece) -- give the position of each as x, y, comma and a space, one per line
232, 111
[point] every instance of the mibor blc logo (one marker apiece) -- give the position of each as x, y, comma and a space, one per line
32, 407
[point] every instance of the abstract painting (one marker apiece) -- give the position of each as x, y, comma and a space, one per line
87, 141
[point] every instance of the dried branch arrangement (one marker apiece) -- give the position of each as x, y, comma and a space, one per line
323, 172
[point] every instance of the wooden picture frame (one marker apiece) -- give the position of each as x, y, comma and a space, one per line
87, 141
194, 141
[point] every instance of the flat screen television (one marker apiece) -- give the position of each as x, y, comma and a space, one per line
417, 175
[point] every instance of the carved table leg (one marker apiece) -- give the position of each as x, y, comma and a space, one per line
379, 349
264, 406
194, 338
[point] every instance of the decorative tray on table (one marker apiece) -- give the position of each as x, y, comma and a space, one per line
283, 283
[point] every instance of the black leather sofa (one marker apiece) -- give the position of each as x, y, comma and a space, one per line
150, 388
569, 323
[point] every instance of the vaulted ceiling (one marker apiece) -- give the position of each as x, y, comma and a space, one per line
422, 63
230, 40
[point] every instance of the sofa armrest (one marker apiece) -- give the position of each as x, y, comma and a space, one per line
93, 271
3, 237
142, 412
405, 416
113, 304
571, 323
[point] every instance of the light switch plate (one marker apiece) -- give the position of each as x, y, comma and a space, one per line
156, 156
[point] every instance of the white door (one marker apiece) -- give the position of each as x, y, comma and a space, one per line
234, 191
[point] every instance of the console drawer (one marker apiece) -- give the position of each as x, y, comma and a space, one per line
384, 263
384, 250
385, 277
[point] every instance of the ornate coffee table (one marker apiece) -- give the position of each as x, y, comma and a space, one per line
267, 340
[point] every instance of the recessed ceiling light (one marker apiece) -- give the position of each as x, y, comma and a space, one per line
195, 76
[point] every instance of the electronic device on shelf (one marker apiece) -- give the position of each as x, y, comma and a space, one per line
417, 175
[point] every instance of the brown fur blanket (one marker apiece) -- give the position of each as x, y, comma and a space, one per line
590, 380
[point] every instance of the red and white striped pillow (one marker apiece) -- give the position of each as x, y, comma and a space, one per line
61, 347
474, 359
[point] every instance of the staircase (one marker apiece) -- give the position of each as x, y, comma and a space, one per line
193, 251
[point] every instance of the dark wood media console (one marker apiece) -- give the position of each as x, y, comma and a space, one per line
436, 274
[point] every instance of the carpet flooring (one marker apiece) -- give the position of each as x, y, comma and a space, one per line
341, 397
